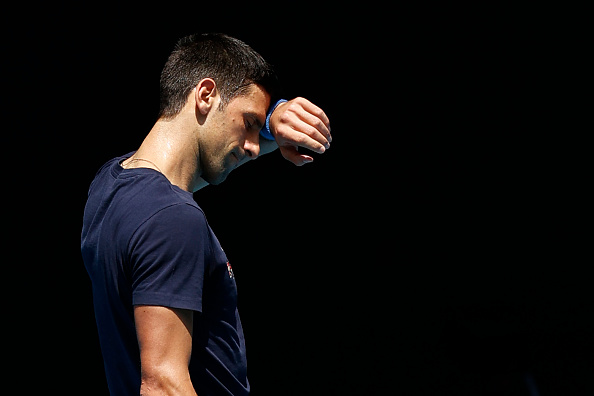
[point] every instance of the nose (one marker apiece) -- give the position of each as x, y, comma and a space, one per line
252, 147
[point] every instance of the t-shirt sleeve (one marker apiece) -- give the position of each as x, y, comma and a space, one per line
168, 258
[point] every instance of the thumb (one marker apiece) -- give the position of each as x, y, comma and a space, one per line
291, 154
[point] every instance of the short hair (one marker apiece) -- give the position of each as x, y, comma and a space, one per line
230, 62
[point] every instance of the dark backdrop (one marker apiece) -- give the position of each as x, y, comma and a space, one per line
430, 251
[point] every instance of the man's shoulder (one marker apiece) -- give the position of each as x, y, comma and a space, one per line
152, 194
142, 194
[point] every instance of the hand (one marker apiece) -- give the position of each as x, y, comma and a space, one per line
300, 123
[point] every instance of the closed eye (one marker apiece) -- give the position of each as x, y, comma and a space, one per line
252, 121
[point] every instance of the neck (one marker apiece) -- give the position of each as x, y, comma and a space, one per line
173, 149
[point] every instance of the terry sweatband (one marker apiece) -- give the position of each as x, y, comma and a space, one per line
265, 131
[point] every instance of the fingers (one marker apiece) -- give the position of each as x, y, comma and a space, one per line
315, 117
315, 128
302, 134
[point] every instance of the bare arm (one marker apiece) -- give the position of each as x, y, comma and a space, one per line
165, 341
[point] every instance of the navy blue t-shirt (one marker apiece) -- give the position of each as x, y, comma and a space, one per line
147, 242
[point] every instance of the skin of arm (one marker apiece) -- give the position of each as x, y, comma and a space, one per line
165, 340
296, 123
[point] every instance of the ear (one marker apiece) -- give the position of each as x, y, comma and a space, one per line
206, 95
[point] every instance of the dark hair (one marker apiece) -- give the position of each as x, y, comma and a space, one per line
230, 62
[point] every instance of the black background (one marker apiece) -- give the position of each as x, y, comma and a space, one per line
433, 250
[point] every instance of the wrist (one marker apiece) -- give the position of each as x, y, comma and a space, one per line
266, 131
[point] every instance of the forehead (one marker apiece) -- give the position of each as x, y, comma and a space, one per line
254, 100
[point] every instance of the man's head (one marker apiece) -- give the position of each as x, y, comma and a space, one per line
222, 88
231, 63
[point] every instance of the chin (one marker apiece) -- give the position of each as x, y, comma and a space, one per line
216, 179
217, 173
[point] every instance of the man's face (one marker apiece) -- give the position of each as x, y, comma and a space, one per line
233, 134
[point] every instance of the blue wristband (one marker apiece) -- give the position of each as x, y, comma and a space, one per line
265, 131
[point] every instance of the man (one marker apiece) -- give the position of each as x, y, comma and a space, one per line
164, 292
